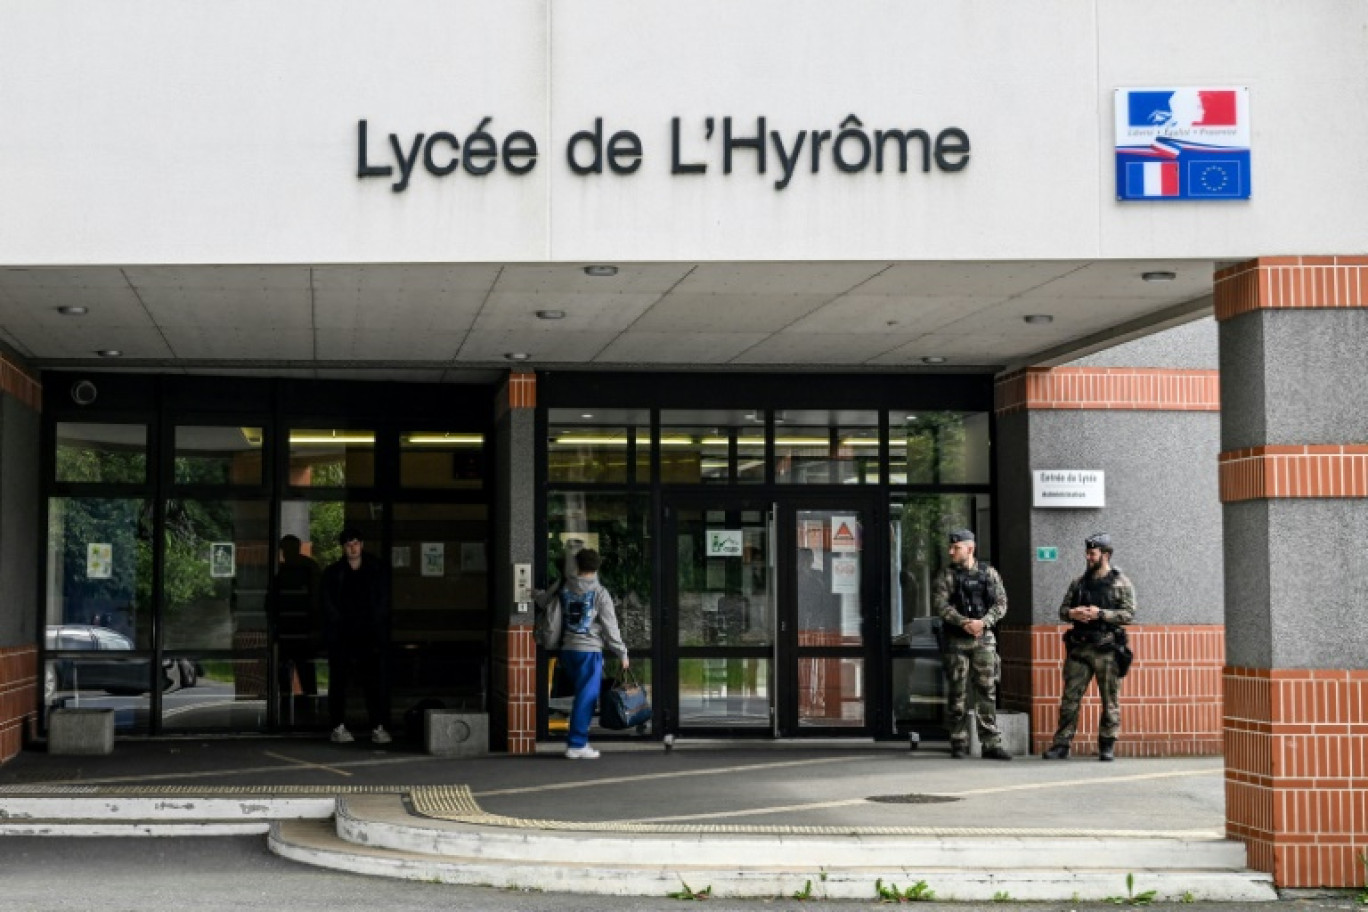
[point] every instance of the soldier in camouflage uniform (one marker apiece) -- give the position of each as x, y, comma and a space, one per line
970, 599
1099, 604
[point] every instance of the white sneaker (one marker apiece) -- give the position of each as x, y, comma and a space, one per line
340, 735
581, 753
380, 736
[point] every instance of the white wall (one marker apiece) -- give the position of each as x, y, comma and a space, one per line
160, 131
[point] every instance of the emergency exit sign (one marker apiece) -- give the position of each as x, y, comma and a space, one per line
1047, 554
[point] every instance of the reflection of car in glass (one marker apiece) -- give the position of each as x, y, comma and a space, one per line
114, 676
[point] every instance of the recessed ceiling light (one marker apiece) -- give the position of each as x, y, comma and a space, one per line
73, 310
516, 356
587, 415
600, 272
1159, 276
933, 359
1038, 318
109, 353
550, 315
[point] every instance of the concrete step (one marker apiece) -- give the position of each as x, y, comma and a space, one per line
756, 868
385, 821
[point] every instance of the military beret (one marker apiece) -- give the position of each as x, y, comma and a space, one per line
961, 535
1100, 540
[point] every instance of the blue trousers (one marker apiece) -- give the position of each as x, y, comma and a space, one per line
584, 670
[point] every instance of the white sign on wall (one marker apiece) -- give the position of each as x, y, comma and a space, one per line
1070, 488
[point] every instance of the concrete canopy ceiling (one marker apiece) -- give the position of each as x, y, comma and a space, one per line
454, 322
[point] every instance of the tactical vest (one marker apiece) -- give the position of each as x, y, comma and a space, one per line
974, 592
1094, 591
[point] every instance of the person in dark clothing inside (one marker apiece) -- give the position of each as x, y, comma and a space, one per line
296, 614
356, 603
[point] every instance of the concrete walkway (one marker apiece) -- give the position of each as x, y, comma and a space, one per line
746, 820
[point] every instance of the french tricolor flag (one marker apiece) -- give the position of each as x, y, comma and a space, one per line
1152, 178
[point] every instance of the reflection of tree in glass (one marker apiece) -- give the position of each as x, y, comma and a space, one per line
935, 448
926, 523
124, 523
326, 518
80, 463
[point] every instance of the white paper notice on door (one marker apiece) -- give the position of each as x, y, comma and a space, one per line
845, 575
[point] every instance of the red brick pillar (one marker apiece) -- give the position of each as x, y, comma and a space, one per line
19, 691
513, 693
1294, 489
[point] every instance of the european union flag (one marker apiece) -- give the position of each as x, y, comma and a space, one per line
1216, 178
1150, 109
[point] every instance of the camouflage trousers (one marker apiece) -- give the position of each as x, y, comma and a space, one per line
1083, 664
976, 662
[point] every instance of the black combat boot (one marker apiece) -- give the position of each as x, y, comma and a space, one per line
995, 753
1106, 749
1056, 752
958, 751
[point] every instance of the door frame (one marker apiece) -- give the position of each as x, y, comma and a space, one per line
780, 509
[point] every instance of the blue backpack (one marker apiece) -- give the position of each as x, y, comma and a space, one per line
578, 610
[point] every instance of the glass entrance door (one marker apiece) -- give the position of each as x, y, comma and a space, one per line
764, 617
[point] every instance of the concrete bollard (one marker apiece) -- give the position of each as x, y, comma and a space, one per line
453, 733
81, 731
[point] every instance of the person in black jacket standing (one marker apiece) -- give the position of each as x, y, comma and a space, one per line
356, 603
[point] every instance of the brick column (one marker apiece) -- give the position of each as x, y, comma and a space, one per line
513, 696
20, 403
1171, 700
1294, 488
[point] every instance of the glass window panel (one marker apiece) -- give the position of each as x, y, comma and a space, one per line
332, 458
590, 446
837, 447
111, 681
831, 692
228, 695
441, 459
919, 529
441, 573
938, 448
695, 443
732, 692
101, 453
618, 527
99, 565
215, 576
218, 455
723, 601
830, 545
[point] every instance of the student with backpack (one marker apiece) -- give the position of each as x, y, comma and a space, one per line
588, 624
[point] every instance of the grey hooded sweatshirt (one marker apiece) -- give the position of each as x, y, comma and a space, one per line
604, 630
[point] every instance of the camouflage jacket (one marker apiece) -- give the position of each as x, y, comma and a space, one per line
944, 586
1121, 612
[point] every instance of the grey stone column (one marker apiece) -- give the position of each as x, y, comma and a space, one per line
1294, 485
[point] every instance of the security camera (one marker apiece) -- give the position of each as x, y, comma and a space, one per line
83, 392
